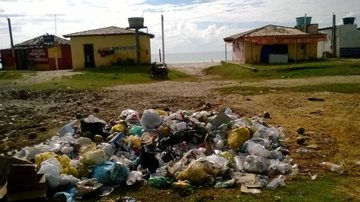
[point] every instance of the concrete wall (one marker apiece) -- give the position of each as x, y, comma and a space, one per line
324, 47
124, 47
347, 36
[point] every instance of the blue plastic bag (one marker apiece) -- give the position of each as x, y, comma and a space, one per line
111, 173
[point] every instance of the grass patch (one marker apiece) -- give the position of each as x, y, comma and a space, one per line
302, 189
6, 75
299, 70
348, 88
96, 78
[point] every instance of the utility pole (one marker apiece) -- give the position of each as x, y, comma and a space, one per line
162, 38
333, 37
55, 15
10, 32
305, 23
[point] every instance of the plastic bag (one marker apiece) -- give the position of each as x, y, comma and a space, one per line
51, 168
86, 187
94, 157
239, 163
150, 120
67, 149
279, 167
237, 137
133, 118
107, 148
134, 141
83, 141
226, 184
199, 173
136, 130
111, 173
159, 181
39, 158
257, 150
133, 177
118, 128
278, 181
217, 161
68, 180
68, 129
256, 164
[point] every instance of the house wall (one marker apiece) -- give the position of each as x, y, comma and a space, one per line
252, 52
63, 55
297, 52
37, 58
238, 51
303, 51
124, 47
324, 47
347, 37
8, 59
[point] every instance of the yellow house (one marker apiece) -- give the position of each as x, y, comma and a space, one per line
108, 46
274, 44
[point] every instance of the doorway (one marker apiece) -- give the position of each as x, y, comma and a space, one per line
21, 59
89, 56
272, 49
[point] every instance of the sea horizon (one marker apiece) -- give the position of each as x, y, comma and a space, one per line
193, 57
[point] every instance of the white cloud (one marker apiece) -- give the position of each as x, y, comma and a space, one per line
188, 27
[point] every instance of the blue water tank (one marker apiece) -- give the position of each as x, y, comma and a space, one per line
348, 20
300, 21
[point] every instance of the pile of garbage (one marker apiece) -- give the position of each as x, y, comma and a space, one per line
180, 149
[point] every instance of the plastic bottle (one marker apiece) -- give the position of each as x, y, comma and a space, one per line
333, 167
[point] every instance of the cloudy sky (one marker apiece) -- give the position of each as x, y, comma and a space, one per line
190, 25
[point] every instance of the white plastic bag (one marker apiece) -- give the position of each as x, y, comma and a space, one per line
107, 148
68, 180
133, 177
51, 168
151, 120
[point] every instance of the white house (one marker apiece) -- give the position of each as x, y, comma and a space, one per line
347, 40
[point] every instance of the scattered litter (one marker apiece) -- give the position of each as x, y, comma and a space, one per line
333, 167
313, 177
278, 181
179, 149
246, 190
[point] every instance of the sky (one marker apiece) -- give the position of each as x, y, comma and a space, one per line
190, 25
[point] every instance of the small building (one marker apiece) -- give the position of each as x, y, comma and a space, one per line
274, 44
108, 46
46, 52
346, 41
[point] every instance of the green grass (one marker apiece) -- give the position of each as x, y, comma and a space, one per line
104, 77
7, 75
302, 189
299, 70
348, 88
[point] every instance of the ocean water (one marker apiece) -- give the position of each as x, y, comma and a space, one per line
193, 57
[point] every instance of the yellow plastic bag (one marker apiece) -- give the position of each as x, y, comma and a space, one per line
237, 137
135, 141
198, 173
118, 128
39, 158
161, 112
